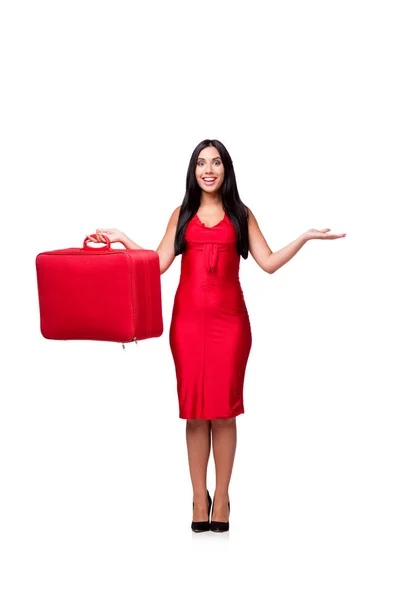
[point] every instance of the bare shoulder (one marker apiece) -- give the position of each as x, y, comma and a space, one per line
173, 220
166, 248
177, 211
252, 221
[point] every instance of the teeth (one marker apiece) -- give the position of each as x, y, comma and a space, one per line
209, 178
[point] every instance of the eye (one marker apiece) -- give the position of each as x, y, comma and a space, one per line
200, 163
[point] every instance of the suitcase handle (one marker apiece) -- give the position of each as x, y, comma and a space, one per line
86, 247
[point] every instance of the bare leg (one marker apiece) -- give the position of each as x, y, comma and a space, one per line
198, 439
224, 437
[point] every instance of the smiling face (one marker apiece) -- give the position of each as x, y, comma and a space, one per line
209, 170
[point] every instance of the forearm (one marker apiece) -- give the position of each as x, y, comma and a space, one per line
129, 244
279, 258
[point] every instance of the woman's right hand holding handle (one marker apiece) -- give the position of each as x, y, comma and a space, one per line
114, 235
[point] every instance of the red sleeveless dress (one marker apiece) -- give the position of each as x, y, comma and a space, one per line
210, 333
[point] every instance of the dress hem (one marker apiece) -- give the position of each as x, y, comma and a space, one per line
236, 414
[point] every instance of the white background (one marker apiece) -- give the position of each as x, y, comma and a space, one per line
102, 104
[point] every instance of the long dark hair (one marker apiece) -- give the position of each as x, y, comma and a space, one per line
233, 206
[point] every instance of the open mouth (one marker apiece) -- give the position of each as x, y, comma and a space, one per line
209, 180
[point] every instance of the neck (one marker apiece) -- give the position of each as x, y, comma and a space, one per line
210, 199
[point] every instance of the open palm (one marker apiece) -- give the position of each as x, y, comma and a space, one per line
322, 234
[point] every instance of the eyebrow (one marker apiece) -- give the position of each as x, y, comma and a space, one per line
215, 157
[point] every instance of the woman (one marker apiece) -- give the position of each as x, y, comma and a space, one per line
210, 333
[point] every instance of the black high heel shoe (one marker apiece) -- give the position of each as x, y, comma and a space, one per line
220, 526
198, 526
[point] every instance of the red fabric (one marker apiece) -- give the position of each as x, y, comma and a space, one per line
210, 333
99, 294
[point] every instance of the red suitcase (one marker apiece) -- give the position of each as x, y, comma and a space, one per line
105, 294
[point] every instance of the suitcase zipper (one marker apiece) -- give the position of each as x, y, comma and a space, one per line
147, 286
134, 339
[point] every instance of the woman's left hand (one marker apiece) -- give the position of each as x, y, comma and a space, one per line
322, 234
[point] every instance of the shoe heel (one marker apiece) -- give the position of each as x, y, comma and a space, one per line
199, 526
220, 526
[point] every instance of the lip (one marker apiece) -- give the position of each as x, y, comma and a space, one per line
209, 182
